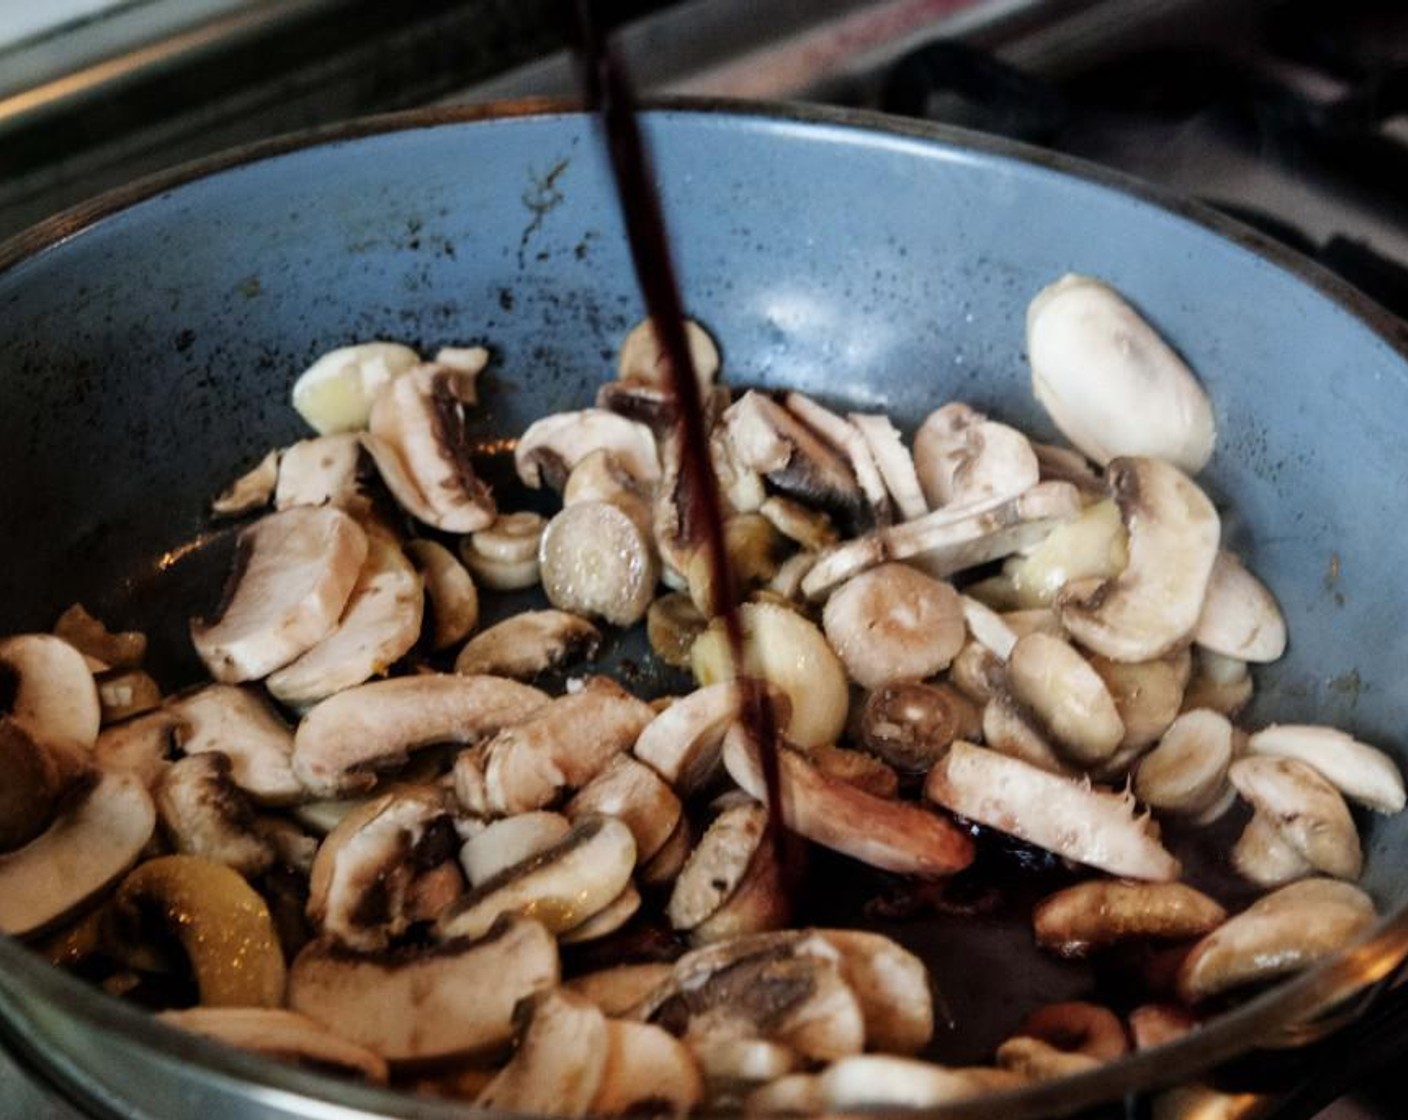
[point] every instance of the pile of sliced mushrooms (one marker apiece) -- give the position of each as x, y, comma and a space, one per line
371, 842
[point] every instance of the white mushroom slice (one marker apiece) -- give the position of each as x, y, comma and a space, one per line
562, 746
1187, 772
124, 693
846, 438
528, 643
335, 393
1092, 545
1110, 383
731, 1061
965, 460
397, 478
552, 446
643, 358
506, 843
1102, 912
561, 886
47, 689
560, 1064
238, 723
619, 989
910, 725
767, 438
203, 813
607, 920
646, 1070
1056, 682
635, 794
948, 541
1309, 811
409, 1006
504, 557
596, 561
1222, 684
892, 987
717, 865
801, 524
142, 746
880, 1081
978, 673
87, 848
1154, 603
293, 574
470, 361
1009, 730
345, 741
419, 420
895, 463
379, 625
321, 817
366, 885
1082, 823
39, 780
760, 902
894, 623
1283, 932
322, 471
988, 627
892, 835
1148, 695
449, 590
787, 580
788, 651
122, 650
683, 742
251, 491
1241, 617
1362, 773
1264, 857
796, 1094
284, 1035
600, 477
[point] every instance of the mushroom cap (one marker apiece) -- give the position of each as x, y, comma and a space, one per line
240, 724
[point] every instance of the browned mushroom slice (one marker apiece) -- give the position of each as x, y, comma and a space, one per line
83, 851
549, 448
142, 746
528, 643
846, 438
892, 987
1309, 812
562, 746
251, 491
978, 673
345, 741
1156, 1024
1077, 1027
1101, 912
510, 841
910, 725
963, 459
561, 886
322, 471
366, 885
892, 835
1283, 932
39, 779
1080, 822
1362, 773
880, 1081
894, 623
632, 792
124, 693
283, 1035
1071, 700
560, 1064
238, 723
203, 813
293, 574
419, 1005
646, 1068
380, 623
619, 989
595, 560
418, 420
717, 865
1154, 604
123, 650
672, 623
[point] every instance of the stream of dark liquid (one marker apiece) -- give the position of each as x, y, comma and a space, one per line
607, 90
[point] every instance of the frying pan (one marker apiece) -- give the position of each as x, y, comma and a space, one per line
148, 341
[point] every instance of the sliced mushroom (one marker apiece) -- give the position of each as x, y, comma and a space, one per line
1076, 1027
528, 643
1157, 1024
203, 813
643, 359
1111, 384
409, 1006
646, 1069
123, 650
751, 547
1222, 684
504, 555
978, 673
1308, 810
251, 491
1055, 681
988, 627
561, 1062
608, 920
239, 724
880, 1081
600, 477
552, 446
379, 625
895, 463
910, 725
846, 438
1362, 773
856, 768
1264, 857
1065, 465
892, 987
124, 693
804, 526
221, 922
1008, 729
892, 835
142, 746
561, 886
335, 393
39, 780
469, 362
366, 885
47, 689
418, 422
1148, 695
965, 460
562, 746
894, 623
293, 574
1080, 822
1240, 616
596, 561
345, 741
449, 590
636, 795
619, 989
84, 850
717, 865
322, 471
760, 902
794, 1094
508, 842
284, 1035
1101, 912
1187, 771
1283, 932
1092, 545
1153, 605
667, 863
683, 742
672, 623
